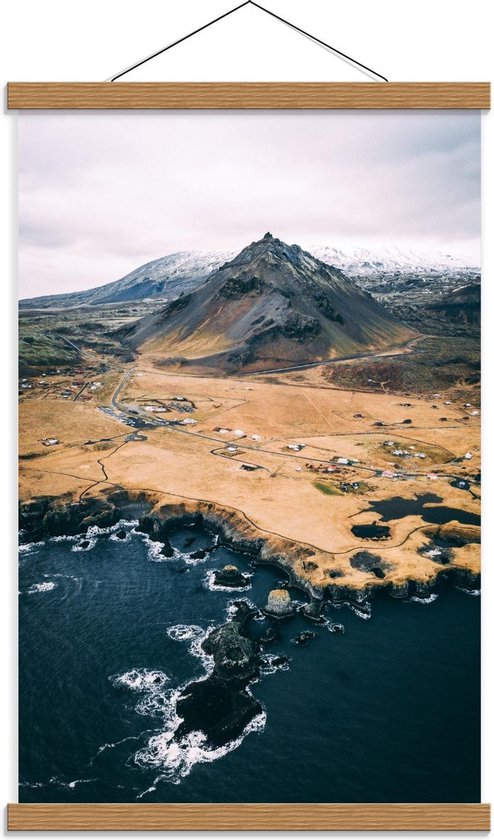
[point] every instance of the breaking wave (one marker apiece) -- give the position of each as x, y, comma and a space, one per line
154, 550
215, 587
46, 586
175, 758
271, 663
27, 548
474, 592
91, 542
424, 599
185, 632
361, 610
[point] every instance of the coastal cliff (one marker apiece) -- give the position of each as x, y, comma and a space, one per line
321, 574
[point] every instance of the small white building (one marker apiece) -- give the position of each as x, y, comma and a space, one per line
468, 456
50, 441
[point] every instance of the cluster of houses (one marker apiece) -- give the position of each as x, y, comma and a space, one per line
69, 389
345, 462
321, 469
156, 409
347, 487
404, 453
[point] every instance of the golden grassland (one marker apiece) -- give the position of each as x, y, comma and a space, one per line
280, 501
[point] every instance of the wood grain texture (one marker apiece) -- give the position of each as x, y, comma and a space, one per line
251, 817
256, 95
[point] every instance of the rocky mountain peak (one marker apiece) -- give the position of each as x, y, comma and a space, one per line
269, 250
273, 304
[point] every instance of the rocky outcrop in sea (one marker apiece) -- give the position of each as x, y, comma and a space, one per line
279, 604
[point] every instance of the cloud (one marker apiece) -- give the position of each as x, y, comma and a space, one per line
100, 194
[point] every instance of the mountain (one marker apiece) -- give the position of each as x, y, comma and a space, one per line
273, 304
165, 278
461, 306
387, 259
169, 276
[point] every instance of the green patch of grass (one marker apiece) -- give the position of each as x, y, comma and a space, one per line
328, 489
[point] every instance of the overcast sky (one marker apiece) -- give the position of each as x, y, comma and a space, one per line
100, 194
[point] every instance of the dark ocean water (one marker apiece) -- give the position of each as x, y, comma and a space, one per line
388, 711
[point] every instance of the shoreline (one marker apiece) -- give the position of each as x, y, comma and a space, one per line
47, 517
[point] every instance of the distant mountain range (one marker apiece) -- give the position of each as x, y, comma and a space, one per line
182, 272
166, 277
271, 305
390, 259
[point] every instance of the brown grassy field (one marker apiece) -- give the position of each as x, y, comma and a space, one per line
259, 422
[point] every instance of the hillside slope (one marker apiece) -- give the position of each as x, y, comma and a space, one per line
272, 304
166, 277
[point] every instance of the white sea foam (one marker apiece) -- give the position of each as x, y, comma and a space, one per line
148, 790
139, 679
155, 699
474, 592
195, 561
175, 758
154, 550
28, 548
111, 745
59, 575
185, 632
97, 531
91, 542
424, 599
332, 626
46, 586
215, 587
231, 608
362, 610
61, 783
270, 666
113, 536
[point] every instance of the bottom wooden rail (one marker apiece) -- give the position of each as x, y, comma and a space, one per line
252, 817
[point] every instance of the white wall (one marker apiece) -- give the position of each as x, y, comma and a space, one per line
56, 40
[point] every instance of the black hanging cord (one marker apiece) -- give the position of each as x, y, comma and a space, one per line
180, 40
262, 9
317, 40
